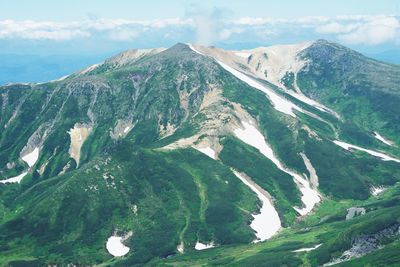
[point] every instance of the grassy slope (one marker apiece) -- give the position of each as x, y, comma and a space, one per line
326, 225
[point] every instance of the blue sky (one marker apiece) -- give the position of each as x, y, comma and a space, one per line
161, 9
98, 27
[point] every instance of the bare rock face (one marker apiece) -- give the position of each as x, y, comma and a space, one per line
365, 244
36, 140
78, 135
353, 212
122, 128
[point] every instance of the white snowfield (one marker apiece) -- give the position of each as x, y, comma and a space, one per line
16, 179
382, 139
115, 246
307, 249
280, 103
207, 151
380, 155
201, 246
267, 223
31, 157
251, 136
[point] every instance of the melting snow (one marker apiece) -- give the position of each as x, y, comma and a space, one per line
382, 139
32, 157
180, 248
251, 136
115, 247
267, 222
307, 249
243, 54
376, 190
371, 152
16, 179
279, 103
90, 68
201, 246
207, 151
195, 50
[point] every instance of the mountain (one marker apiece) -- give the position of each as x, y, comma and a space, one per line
285, 155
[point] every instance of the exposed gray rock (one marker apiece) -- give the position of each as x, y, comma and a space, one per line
353, 212
365, 244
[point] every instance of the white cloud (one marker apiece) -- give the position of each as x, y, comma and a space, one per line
115, 29
227, 33
250, 21
374, 32
28, 29
212, 26
335, 27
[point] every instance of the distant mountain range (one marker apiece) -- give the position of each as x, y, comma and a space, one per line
284, 155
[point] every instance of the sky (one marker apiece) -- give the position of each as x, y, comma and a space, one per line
89, 27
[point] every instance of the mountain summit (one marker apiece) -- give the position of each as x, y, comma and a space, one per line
155, 154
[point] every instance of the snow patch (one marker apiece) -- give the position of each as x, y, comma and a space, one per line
380, 155
376, 190
307, 249
207, 151
180, 248
115, 246
201, 246
31, 157
267, 222
90, 68
245, 55
300, 96
382, 139
194, 49
251, 136
16, 179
